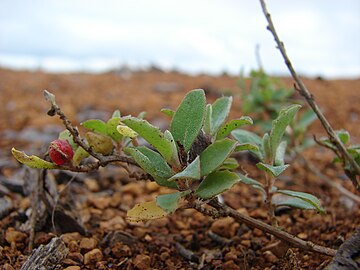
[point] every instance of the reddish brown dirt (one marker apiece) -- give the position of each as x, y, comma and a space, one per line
102, 199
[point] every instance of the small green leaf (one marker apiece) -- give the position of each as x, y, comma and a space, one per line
244, 136
305, 197
207, 121
152, 162
145, 211
95, 125
126, 131
188, 118
175, 157
170, 202
192, 171
220, 110
343, 135
32, 161
216, 183
280, 154
111, 129
246, 147
279, 125
79, 155
168, 112
229, 164
66, 135
266, 148
152, 135
232, 125
252, 182
100, 143
215, 154
274, 170
293, 202
141, 115
116, 114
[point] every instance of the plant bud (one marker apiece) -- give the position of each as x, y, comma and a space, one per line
100, 143
60, 152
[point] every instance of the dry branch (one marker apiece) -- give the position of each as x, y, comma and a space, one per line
311, 101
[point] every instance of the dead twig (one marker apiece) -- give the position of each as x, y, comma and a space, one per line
355, 168
221, 210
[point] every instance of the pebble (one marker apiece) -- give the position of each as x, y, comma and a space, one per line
87, 244
270, 257
119, 250
92, 184
42, 238
73, 246
68, 237
142, 262
7, 267
230, 265
116, 223
76, 257
100, 202
93, 256
13, 236
132, 188
224, 227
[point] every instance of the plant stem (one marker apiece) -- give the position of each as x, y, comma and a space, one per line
222, 210
355, 170
269, 183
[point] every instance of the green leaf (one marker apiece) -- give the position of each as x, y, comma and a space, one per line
247, 147
168, 112
305, 197
216, 183
66, 135
152, 135
151, 162
100, 143
170, 202
294, 203
32, 161
188, 119
116, 114
220, 110
215, 154
252, 182
343, 135
266, 148
95, 125
175, 157
111, 129
244, 136
280, 154
79, 155
229, 164
207, 121
279, 125
126, 131
233, 124
145, 211
274, 170
192, 171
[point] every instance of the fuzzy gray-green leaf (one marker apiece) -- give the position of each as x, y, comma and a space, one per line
192, 171
170, 202
152, 135
274, 170
188, 118
32, 161
215, 154
280, 154
220, 110
233, 124
95, 125
216, 183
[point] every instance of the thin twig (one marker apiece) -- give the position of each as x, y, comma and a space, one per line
328, 181
311, 101
222, 210
102, 160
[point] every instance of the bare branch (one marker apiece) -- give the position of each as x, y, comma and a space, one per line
222, 210
311, 101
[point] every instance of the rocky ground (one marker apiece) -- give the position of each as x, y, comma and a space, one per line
98, 201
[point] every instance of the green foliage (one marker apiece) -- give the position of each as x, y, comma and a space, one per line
32, 161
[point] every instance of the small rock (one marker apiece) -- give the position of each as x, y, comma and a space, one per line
231, 265
73, 268
152, 186
270, 257
119, 250
76, 257
93, 256
224, 227
142, 262
92, 184
302, 235
132, 188
42, 238
87, 244
13, 236
116, 223
73, 246
100, 202
68, 237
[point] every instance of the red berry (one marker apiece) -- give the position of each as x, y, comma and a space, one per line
60, 152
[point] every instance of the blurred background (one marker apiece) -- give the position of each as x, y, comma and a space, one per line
322, 37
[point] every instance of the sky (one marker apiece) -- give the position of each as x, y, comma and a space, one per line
322, 37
